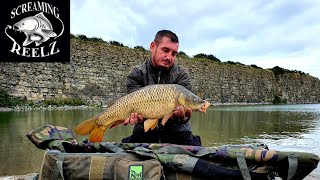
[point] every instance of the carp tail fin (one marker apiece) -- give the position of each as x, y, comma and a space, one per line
90, 127
96, 135
86, 126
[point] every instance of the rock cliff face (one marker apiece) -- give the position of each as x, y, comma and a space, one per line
97, 73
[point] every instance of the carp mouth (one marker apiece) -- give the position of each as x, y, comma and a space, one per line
204, 107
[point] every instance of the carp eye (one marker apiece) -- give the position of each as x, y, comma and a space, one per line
22, 23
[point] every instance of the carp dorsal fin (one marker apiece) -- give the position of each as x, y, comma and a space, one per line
41, 16
166, 118
150, 124
112, 102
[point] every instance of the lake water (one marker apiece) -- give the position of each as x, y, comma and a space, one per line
281, 127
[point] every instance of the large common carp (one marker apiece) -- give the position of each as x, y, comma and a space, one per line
153, 102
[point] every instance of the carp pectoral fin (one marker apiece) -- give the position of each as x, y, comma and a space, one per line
38, 43
150, 124
27, 41
116, 123
166, 118
154, 125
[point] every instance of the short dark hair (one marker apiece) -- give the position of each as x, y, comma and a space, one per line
160, 34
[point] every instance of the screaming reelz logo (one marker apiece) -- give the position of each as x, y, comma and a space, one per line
36, 28
38, 31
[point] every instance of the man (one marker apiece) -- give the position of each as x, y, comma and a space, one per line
161, 69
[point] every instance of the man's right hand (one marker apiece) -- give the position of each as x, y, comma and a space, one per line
181, 115
133, 119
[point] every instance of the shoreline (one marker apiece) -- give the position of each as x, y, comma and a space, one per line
239, 104
82, 107
30, 108
50, 107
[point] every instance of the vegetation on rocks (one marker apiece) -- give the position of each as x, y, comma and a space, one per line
64, 102
9, 101
140, 48
210, 56
280, 71
96, 39
279, 100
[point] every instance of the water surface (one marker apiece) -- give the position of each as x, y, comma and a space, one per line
281, 127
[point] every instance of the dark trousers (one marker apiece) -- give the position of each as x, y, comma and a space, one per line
163, 135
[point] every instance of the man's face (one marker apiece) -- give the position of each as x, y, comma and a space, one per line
164, 54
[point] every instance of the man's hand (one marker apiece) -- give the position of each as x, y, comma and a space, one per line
133, 119
181, 115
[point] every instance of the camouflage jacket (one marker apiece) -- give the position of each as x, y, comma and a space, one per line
146, 74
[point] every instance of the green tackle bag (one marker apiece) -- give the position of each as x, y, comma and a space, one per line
66, 158
58, 165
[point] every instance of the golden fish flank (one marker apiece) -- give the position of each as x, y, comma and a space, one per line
153, 102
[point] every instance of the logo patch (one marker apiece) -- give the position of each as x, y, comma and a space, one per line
35, 31
135, 172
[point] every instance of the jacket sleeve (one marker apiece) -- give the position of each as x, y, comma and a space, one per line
184, 79
135, 80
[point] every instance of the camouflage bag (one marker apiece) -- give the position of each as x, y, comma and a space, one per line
82, 163
57, 165
51, 137
105, 160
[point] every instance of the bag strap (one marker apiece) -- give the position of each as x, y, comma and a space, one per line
97, 167
243, 165
58, 169
293, 165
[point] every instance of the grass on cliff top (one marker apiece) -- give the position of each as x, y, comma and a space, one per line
84, 38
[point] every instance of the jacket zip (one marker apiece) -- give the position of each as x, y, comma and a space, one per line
159, 75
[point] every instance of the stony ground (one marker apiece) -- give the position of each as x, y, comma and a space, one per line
30, 176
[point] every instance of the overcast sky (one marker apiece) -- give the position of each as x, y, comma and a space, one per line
266, 33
